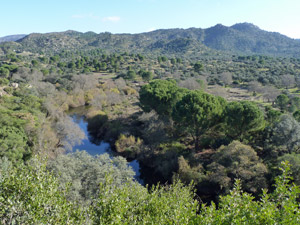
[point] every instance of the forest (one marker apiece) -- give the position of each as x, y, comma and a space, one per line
216, 136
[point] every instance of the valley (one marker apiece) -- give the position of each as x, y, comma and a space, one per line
193, 121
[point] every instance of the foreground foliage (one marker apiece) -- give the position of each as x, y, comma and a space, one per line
134, 204
85, 172
279, 207
31, 195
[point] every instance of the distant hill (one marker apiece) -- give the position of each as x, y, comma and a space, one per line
246, 38
167, 42
12, 37
240, 39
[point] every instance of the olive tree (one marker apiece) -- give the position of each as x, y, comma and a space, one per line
85, 172
237, 161
285, 135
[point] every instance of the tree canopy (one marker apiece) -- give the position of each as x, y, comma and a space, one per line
160, 95
243, 118
238, 161
197, 112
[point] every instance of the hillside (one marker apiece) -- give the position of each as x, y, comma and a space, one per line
11, 37
187, 104
246, 38
240, 39
177, 42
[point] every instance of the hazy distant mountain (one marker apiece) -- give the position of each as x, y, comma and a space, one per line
245, 38
241, 39
12, 37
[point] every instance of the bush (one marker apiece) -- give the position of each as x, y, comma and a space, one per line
133, 204
128, 145
31, 195
238, 161
129, 91
85, 172
279, 207
4, 81
188, 174
9, 90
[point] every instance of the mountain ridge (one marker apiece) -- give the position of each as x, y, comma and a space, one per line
240, 39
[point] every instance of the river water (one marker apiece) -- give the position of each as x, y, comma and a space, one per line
100, 147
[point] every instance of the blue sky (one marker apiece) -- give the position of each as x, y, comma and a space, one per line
136, 16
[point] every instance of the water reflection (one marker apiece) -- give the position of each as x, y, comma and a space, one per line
97, 147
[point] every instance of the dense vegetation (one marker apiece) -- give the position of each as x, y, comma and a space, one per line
213, 127
32, 195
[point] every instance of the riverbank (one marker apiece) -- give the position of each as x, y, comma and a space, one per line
94, 146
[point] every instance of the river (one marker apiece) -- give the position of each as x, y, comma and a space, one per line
100, 147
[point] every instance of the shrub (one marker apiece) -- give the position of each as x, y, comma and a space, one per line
31, 195
85, 172
133, 204
129, 145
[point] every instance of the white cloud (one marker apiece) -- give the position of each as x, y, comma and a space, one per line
111, 19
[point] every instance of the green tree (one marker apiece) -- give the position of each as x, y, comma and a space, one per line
54, 59
243, 118
147, 75
285, 135
4, 81
103, 66
237, 161
296, 115
295, 104
4, 72
13, 143
198, 67
282, 101
130, 75
34, 62
272, 115
13, 138
196, 112
71, 65
45, 72
161, 96
164, 58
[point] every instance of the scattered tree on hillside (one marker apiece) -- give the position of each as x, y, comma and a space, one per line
288, 81
198, 67
282, 101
